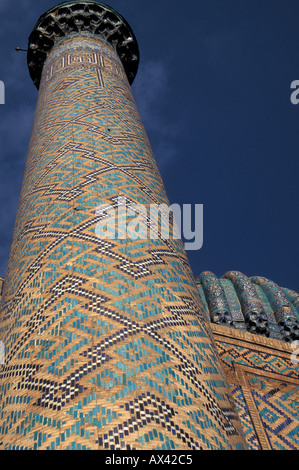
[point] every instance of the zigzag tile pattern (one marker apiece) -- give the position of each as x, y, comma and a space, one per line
107, 346
265, 387
278, 406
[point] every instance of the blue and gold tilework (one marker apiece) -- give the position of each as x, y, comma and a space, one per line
107, 344
263, 376
259, 352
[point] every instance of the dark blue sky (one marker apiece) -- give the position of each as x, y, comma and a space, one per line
213, 89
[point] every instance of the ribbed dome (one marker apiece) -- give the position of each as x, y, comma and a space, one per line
254, 304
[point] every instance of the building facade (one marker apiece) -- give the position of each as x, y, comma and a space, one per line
255, 326
109, 342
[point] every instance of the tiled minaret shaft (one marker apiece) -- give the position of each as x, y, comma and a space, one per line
106, 343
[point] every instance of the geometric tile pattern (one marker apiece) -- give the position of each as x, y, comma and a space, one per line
107, 346
277, 403
265, 387
247, 424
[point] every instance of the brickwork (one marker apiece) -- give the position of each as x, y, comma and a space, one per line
264, 383
107, 345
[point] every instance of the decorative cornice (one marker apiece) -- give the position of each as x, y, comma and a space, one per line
254, 314
250, 340
265, 308
87, 16
216, 300
283, 310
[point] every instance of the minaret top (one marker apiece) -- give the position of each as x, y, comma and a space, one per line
79, 17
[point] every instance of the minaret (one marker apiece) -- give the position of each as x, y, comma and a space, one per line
106, 342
